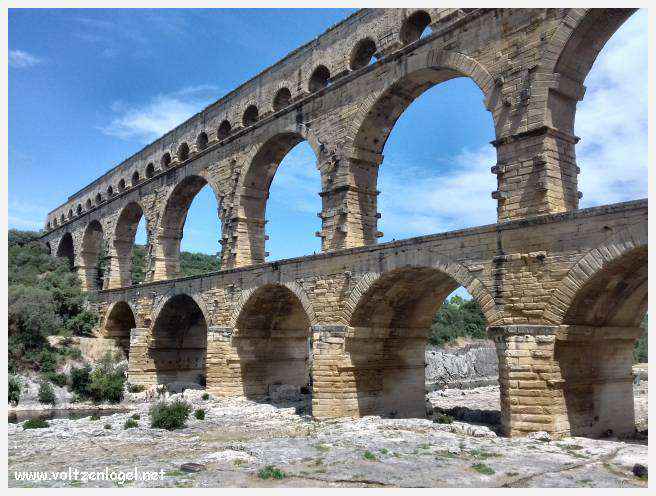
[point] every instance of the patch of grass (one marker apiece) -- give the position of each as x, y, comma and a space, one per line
576, 454
271, 472
239, 462
75, 483
130, 423
322, 447
206, 396
108, 427
94, 417
570, 446
424, 446
169, 416
56, 378
368, 455
446, 454
36, 423
396, 454
199, 414
384, 451
15, 387
584, 483
483, 455
174, 473
481, 468
136, 416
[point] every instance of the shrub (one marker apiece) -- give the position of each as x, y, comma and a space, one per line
82, 324
442, 418
35, 424
136, 388
48, 361
94, 417
481, 468
130, 423
169, 416
56, 378
368, 455
80, 381
206, 396
200, 414
106, 381
456, 318
271, 472
15, 387
47, 394
136, 416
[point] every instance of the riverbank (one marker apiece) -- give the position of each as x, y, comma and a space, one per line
238, 439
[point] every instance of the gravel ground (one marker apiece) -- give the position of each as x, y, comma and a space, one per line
239, 438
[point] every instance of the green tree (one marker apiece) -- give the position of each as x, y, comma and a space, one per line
457, 318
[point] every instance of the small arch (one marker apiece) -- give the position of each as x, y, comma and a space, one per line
123, 244
78, 209
414, 26
110, 191
282, 98
135, 178
319, 79
165, 161
121, 185
65, 249
88, 203
362, 54
202, 141
250, 116
118, 324
99, 198
55, 222
62, 219
49, 225
70, 213
183, 152
150, 170
224, 130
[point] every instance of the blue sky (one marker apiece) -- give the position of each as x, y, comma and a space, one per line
88, 88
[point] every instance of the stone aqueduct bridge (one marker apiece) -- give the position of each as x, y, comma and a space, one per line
563, 290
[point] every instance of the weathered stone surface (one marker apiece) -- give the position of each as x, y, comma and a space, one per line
472, 365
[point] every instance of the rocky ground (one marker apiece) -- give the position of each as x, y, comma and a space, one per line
239, 438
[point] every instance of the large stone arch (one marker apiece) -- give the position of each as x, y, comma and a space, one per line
177, 342
252, 192
65, 248
295, 288
122, 243
453, 270
119, 320
92, 249
417, 75
164, 298
589, 266
172, 217
272, 340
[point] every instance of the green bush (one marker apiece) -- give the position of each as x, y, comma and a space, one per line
106, 381
136, 388
35, 424
457, 318
94, 417
442, 418
15, 387
136, 416
271, 472
47, 394
80, 380
169, 416
56, 378
200, 414
206, 396
130, 423
368, 455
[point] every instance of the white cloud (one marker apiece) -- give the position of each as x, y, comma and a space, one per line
612, 119
20, 59
152, 119
414, 203
26, 214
